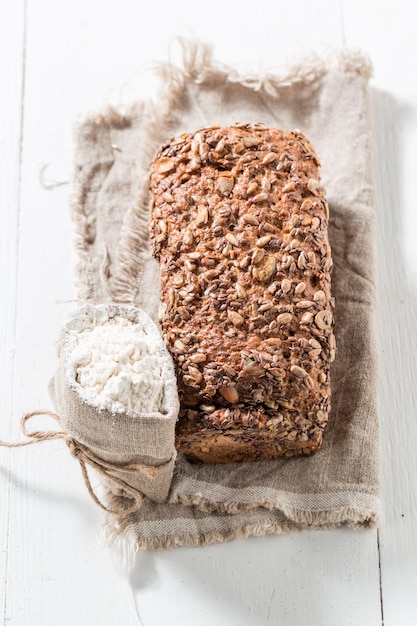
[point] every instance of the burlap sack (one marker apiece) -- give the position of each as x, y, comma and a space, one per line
328, 100
142, 444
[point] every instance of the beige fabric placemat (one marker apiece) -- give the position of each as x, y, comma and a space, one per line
327, 99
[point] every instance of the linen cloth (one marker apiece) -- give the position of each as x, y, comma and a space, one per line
328, 100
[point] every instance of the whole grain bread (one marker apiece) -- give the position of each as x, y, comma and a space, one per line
239, 224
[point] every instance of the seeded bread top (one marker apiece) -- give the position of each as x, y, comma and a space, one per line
239, 226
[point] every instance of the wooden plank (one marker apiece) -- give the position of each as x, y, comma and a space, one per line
398, 341
319, 578
12, 22
392, 48
56, 570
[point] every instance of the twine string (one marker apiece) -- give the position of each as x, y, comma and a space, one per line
84, 457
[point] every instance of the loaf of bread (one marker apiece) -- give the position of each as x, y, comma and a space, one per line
239, 225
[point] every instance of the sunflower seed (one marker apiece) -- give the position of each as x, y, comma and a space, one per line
265, 184
250, 142
232, 239
298, 371
203, 151
186, 147
304, 304
245, 261
235, 318
250, 219
220, 146
241, 292
229, 393
207, 408
306, 318
306, 205
209, 274
195, 374
252, 188
321, 416
168, 197
225, 184
316, 187
276, 420
286, 261
164, 165
188, 238
171, 296
328, 263
272, 404
189, 381
319, 295
239, 147
276, 372
329, 357
265, 307
269, 158
257, 256
311, 258
284, 318
197, 140
299, 288
162, 308
178, 280
263, 241
260, 197
202, 215
288, 187
189, 265
229, 370
198, 357
183, 312
194, 165
302, 261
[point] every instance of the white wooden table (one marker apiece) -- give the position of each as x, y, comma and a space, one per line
61, 58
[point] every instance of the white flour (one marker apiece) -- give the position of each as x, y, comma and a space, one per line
115, 363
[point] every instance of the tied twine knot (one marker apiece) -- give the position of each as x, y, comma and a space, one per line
86, 457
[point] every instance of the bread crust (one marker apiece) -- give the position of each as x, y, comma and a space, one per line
239, 225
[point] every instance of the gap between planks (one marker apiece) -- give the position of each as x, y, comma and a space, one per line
381, 597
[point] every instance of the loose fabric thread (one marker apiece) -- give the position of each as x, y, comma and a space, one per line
85, 457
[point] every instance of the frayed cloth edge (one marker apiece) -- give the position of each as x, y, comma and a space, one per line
126, 539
